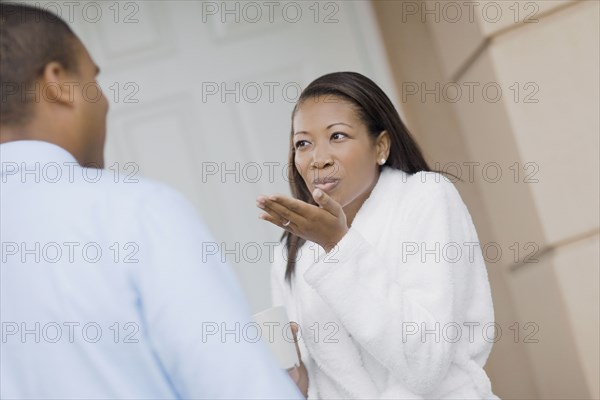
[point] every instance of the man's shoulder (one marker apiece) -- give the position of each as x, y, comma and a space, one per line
107, 193
138, 185
142, 192
146, 205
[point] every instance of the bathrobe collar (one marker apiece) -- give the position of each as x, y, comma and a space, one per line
375, 206
388, 178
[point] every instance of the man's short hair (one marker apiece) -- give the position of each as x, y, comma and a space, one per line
30, 38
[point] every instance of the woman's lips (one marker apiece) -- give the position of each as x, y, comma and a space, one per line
327, 186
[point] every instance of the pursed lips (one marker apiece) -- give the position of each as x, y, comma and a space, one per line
326, 184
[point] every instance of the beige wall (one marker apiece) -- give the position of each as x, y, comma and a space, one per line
543, 134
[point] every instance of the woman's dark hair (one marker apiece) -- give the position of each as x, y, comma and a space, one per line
377, 112
30, 38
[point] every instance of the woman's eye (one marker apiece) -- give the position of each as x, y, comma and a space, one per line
300, 143
339, 135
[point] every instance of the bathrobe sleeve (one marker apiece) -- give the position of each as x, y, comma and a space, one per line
393, 302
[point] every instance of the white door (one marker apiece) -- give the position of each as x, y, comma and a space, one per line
202, 93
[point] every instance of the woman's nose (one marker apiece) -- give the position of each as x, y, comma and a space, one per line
321, 157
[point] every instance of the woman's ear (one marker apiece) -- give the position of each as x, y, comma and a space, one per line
383, 144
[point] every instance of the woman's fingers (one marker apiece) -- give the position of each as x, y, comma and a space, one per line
279, 211
289, 207
326, 202
324, 224
276, 216
294, 374
294, 327
275, 221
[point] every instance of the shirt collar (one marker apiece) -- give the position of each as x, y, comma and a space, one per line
32, 151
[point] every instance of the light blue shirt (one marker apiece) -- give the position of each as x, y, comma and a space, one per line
106, 291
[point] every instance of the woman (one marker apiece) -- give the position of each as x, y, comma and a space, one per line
380, 265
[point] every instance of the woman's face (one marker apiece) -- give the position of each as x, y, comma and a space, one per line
334, 151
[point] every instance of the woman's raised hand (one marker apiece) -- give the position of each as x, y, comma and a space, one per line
324, 225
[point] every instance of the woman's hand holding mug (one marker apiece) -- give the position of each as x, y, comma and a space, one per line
299, 374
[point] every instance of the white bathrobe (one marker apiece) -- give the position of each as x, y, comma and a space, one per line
401, 308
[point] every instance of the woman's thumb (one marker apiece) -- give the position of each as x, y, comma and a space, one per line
294, 328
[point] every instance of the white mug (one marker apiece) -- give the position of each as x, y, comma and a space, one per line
276, 333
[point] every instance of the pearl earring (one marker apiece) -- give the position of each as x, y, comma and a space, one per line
382, 161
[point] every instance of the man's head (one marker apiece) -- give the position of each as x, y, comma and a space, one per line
48, 88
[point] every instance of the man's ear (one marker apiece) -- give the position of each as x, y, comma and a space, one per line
383, 144
57, 85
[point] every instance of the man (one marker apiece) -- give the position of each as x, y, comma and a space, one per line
105, 292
